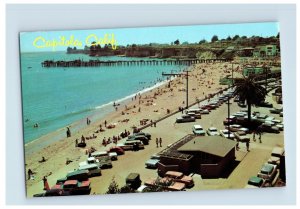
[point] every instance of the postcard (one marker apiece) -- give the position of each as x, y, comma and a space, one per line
152, 109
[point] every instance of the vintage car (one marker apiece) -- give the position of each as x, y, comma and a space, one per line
117, 150
141, 138
255, 182
276, 110
75, 187
141, 134
82, 175
194, 115
269, 128
179, 177
53, 192
129, 145
133, 180
227, 134
212, 131
268, 172
152, 162
104, 159
198, 130
166, 184
230, 120
90, 160
94, 169
185, 118
276, 154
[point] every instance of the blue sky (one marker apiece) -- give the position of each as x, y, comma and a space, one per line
145, 35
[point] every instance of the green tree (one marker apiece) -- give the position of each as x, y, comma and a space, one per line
203, 41
113, 187
177, 42
214, 38
250, 92
244, 37
228, 38
235, 37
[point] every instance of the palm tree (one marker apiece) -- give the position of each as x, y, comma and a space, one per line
250, 92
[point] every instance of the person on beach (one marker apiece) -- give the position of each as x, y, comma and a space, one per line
87, 121
43, 159
68, 132
82, 139
154, 123
247, 145
151, 123
45, 182
160, 141
76, 143
156, 142
30, 173
105, 123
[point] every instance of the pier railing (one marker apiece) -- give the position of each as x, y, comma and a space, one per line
98, 63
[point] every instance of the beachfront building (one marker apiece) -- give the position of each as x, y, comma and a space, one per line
209, 156
254, 71
266, 51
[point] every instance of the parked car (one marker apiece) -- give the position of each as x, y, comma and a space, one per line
104, 159
281, 114
265, 104
143, 188
141, 138
75, 187
93, 169
236, 99
276, 154
227, 134
53, 192
152, 162
266, 127
276, 110
133, 180
185, 118
204, 111
166, 183
195, 115
212, 131
242, 104
231, 120
141, 134
280, 126
90, 160
179, 177
82, 175
128, 145
198, 130
240, 114
196, 111
113, 155
233, 127
117, 150
268, 172
255, 182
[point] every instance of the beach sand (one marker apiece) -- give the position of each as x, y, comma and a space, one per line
153, 105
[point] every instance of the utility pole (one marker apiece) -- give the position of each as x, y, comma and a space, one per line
185, 73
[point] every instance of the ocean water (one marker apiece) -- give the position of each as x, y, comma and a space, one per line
57, 97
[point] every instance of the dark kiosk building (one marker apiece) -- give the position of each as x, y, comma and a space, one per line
206, 155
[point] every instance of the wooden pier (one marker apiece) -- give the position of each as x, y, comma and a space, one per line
98, 63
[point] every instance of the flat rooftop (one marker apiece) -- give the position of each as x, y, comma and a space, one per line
214, 145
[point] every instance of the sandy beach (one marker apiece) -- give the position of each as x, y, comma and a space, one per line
151, 105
